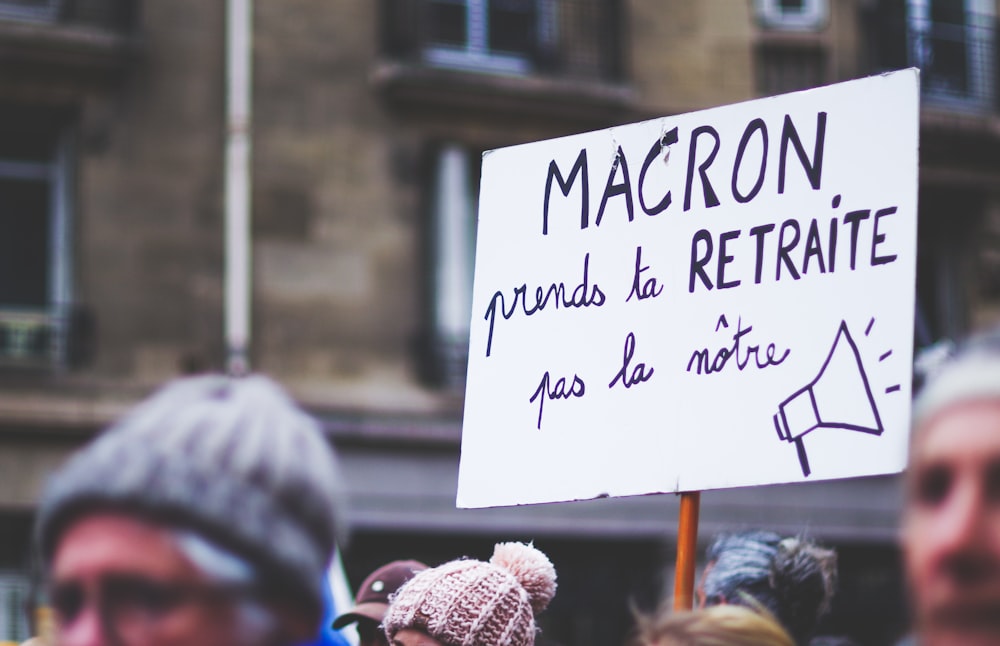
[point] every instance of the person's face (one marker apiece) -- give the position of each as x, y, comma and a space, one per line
951, 526
370, 633
407, 637
119, 581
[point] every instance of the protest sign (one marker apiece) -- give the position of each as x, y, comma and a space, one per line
715, 299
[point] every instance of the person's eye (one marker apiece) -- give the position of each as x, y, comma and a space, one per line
67, 601
932, 486
148, 597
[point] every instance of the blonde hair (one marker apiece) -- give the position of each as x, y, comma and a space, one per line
724, 625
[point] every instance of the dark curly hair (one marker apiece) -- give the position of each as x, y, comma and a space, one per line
793, 578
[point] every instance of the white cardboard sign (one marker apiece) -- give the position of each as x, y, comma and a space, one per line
716, 299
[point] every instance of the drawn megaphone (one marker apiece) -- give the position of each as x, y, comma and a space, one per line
838, 397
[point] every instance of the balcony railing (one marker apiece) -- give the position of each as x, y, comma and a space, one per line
570, 39
958, 62
783, 68
30, 339
45, 339
958, 58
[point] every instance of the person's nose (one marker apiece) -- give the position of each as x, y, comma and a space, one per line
957, 538
86, 629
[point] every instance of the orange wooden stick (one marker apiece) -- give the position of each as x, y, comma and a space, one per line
687, 547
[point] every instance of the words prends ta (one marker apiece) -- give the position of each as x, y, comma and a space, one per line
790, 250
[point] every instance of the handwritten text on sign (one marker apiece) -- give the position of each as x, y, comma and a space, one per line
679, 304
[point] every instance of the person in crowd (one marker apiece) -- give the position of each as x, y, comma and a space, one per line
792, 578
723, 625
204, 517
372, 600
474, 603
950, 531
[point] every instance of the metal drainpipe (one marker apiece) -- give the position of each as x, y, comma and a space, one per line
239, 29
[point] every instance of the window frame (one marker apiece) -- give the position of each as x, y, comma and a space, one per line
21, 320
44, 11
452, 205
15, 592
979, 39
812, 17
478, 54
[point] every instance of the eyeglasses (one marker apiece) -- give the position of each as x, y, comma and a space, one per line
130, 607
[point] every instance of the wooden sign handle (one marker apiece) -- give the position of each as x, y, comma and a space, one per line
687, 548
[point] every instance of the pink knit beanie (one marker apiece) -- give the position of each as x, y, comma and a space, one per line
472, 603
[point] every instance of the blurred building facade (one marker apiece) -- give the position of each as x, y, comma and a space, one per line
368, 120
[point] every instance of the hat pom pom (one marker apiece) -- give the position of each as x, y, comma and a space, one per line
532, 569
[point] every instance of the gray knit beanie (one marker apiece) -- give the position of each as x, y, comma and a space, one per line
233, 459
472, 603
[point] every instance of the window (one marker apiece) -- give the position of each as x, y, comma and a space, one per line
797, 15
30, 10
580, 39
15, 593
954, 44
34, 249
787, 68
953, 236
488, 35
453, 204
